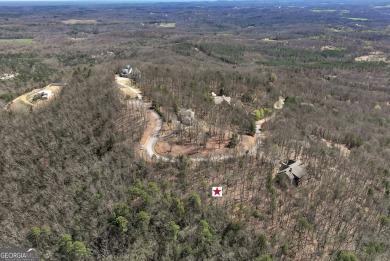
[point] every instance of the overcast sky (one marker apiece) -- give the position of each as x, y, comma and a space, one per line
140, 1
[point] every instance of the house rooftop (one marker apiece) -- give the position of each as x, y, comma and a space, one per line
220, 99
293, 169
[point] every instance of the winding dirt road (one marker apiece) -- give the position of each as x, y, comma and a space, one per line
148, 142
152, 139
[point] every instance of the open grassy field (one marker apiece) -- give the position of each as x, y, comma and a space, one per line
18, 41
358, 19
323, 10
373, 57
79, 21
167, 25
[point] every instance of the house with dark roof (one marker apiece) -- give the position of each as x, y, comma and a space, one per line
126, 71
291, 173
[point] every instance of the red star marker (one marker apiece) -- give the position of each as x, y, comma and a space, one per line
217, 191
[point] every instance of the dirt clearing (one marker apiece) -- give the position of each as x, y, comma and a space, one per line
126, 86
172, 147
31, 100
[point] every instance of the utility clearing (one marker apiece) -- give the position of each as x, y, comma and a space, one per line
34, 99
